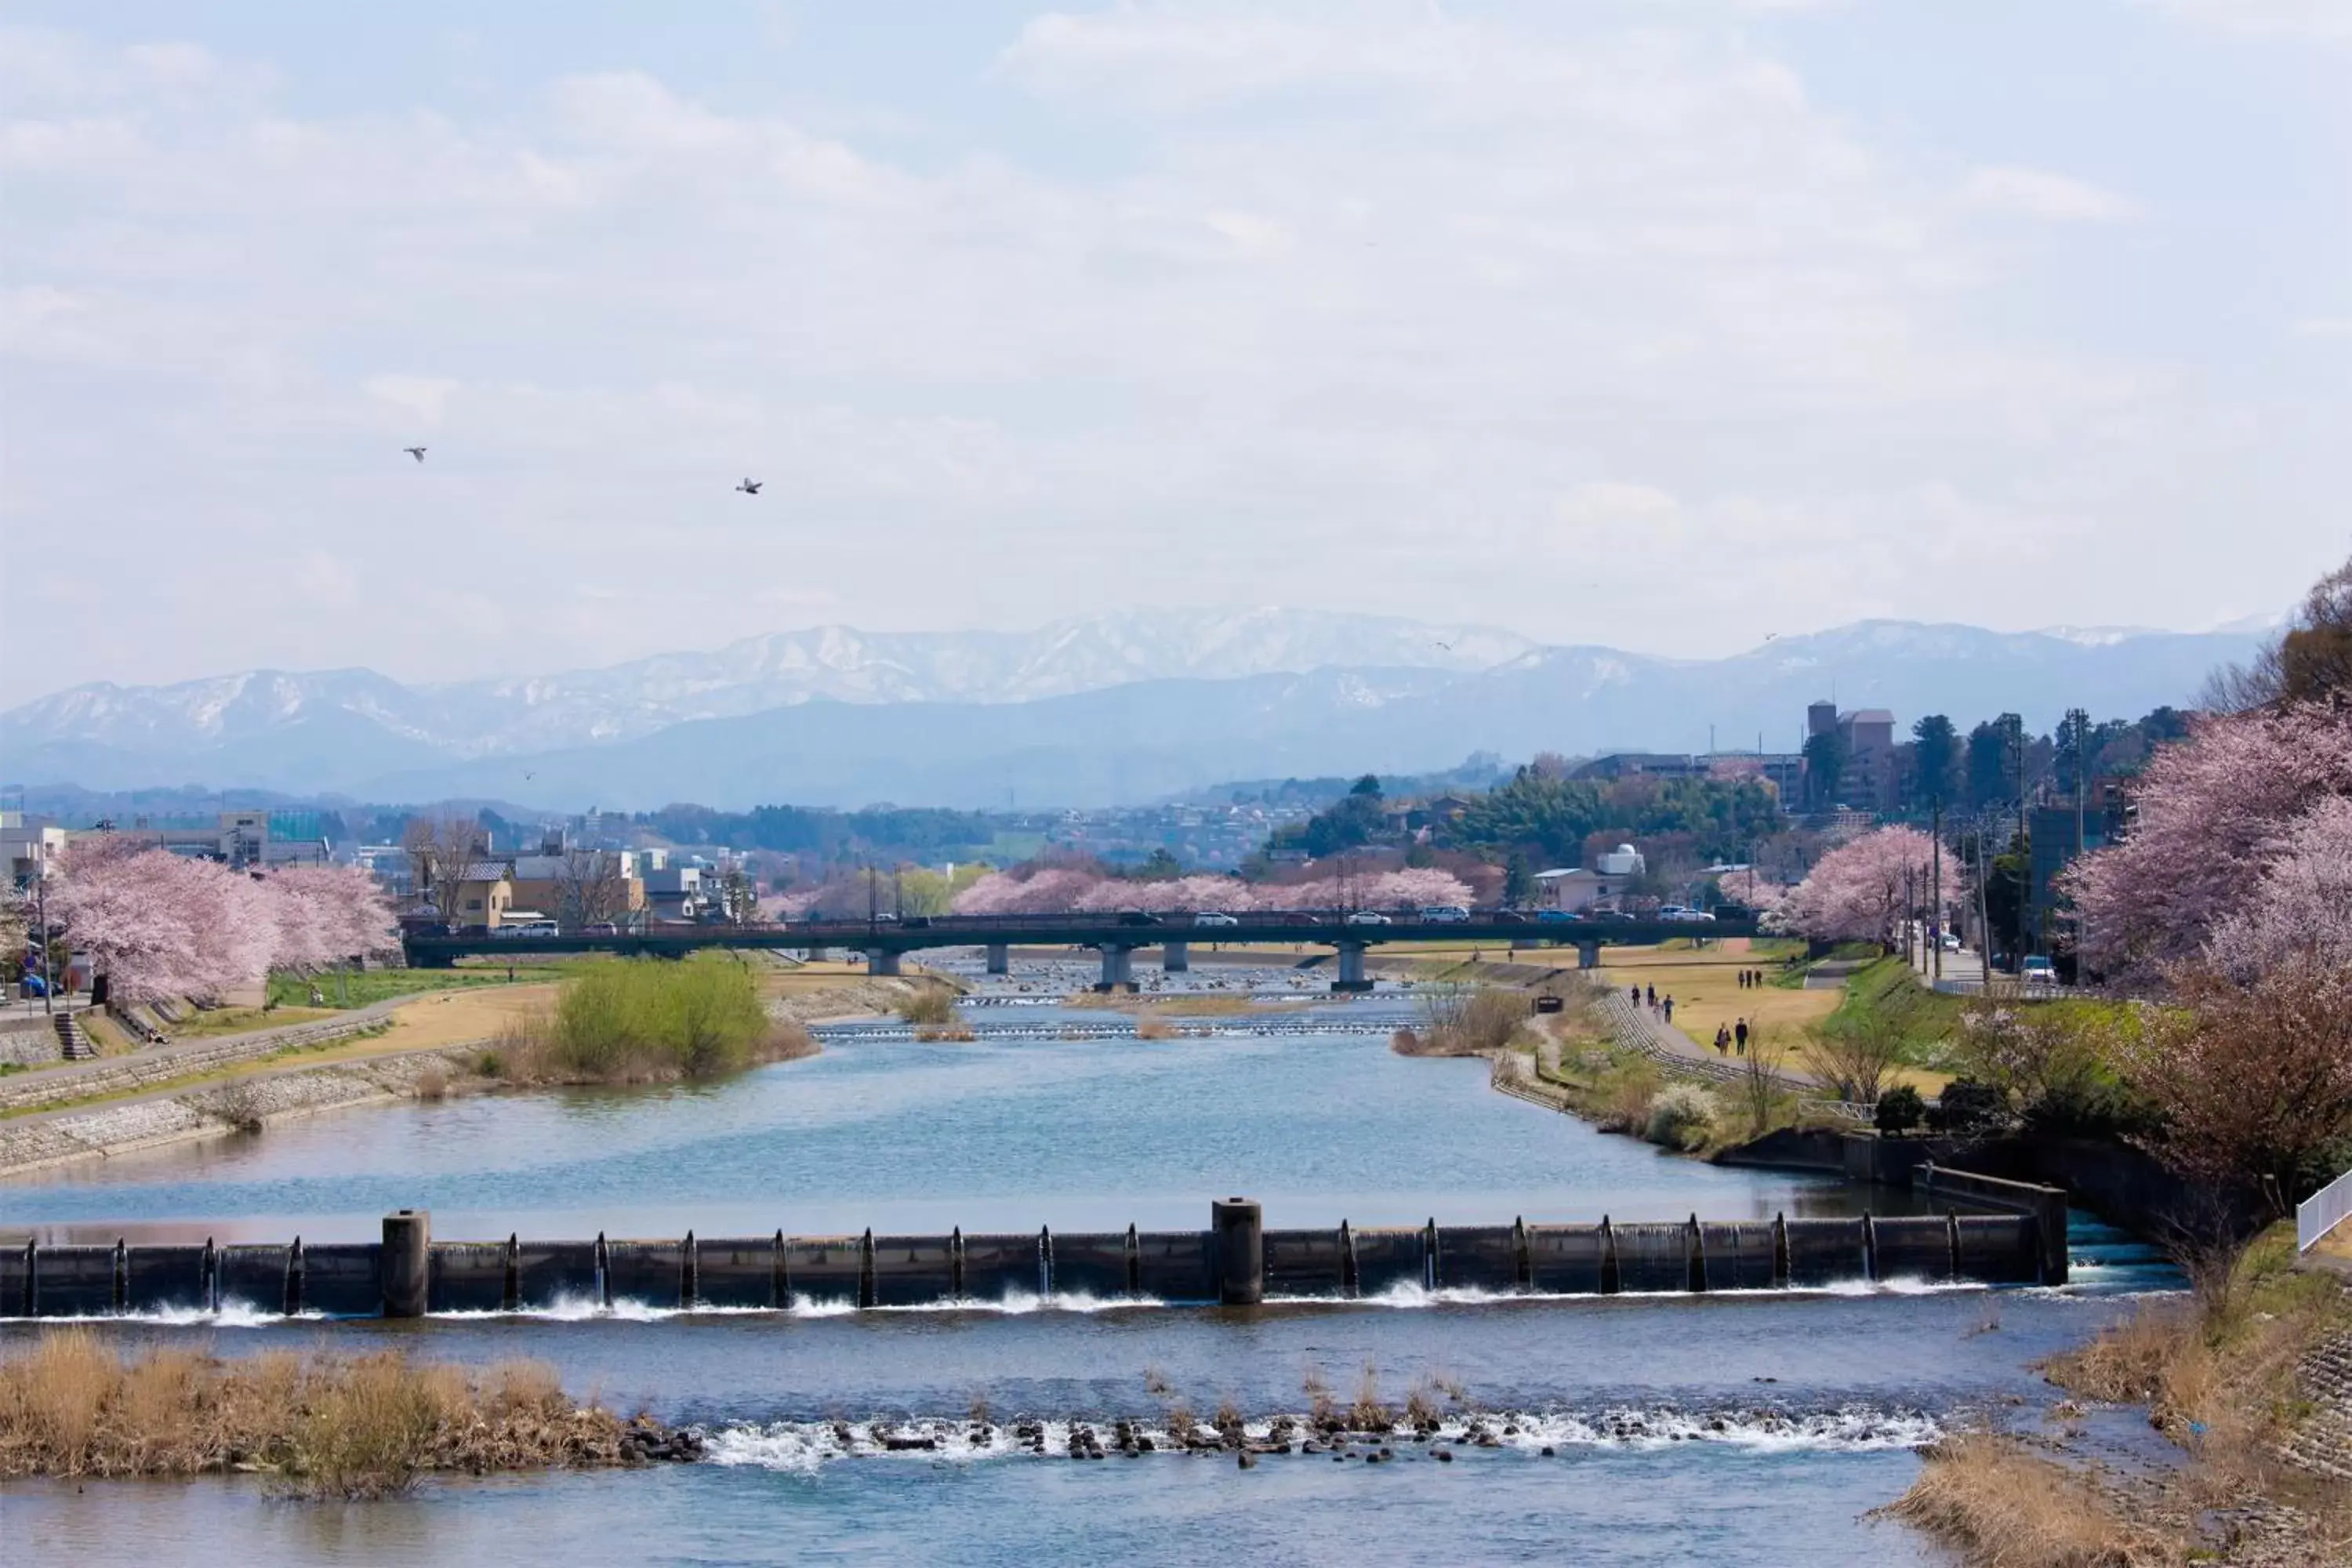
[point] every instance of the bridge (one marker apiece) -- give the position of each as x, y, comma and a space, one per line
884, 941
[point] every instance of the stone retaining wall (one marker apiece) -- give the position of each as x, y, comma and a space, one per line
165, 1064
216, 1110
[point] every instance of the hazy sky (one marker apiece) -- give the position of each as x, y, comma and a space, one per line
1666, 323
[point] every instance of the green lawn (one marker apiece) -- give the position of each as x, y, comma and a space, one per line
371, 985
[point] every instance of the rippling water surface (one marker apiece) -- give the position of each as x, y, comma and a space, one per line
1726, 1429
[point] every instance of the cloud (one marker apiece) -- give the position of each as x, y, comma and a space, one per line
2036, 193
1381, 307
2325, 21
2323, 327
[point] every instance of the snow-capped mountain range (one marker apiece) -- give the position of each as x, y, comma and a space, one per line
1116, 707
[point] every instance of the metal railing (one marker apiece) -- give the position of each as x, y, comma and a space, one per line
2322, 1212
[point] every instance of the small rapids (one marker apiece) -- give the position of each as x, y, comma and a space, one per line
804, 1446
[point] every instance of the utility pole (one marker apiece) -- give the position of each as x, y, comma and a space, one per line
1935, 893
41, 902
2082, 795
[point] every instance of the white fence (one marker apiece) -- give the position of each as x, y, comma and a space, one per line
2322, 1212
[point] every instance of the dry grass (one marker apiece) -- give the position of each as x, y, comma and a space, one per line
1466, 1023
323, 1425
433, 1083
2130, 1361
956, 1032
2008, 1508
1367, 1414
1155, 1028
929, 1003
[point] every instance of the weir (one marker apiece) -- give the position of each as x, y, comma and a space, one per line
1236, 1261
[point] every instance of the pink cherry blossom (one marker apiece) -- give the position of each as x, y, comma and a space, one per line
2210, 812
1858, 892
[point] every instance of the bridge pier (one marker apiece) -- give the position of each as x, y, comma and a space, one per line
1000, 957
1588, 955
1176, 957
1351, 968
882, 961
1117, 968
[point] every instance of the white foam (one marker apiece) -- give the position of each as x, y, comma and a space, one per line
228, 1315
803, 1448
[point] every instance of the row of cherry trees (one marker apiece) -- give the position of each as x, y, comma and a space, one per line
1062, 889
159, 925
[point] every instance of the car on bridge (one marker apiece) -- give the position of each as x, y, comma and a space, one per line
1556, 917
1445, 914
1214, 918
1369, 918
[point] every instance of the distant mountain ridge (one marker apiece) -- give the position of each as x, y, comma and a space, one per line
1119, 708
478, 718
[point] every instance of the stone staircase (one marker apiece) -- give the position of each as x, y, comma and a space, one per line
72, 1038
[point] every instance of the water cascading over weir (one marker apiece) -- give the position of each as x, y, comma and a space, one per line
1234, 1262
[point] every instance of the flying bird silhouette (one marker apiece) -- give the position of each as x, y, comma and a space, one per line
1446, 646
750, 487
416, 452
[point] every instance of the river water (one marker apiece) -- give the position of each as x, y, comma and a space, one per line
1721, 1429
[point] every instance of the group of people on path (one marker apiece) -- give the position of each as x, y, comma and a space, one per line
1727, 1037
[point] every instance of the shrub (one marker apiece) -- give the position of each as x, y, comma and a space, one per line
928, 1003
1470, 1022
1681, 1116
633, 1020
1900, 1108
1967, 1107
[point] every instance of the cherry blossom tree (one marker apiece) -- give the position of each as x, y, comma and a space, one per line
159, 925
2215, 814
1857, 891
2302, 904
328, 915
2252, 1083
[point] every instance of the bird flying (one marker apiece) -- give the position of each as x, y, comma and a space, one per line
416, 452
750, 487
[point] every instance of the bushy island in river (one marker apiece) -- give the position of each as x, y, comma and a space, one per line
317, 1424
645, 1020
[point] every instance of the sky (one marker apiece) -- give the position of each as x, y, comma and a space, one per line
1659, 323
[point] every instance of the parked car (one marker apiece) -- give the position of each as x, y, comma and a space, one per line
1445, 914
1214, 918
1369, 918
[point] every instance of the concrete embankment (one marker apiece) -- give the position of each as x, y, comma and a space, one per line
222, 1100
246, 1103
1236, 1261
168, 1064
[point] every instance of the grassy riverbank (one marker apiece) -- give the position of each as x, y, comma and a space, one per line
319, 1425
2237, 1376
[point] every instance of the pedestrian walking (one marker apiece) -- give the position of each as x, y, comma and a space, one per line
1723, 1039
1633, 993
1743, 980
1670, 1006
1740, 1033
1653, 995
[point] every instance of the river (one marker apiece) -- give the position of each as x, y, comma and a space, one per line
1719, 1429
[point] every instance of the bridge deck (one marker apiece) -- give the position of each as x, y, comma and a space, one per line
1072, 931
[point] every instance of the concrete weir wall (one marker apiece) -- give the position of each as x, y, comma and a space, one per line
1236, 1263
